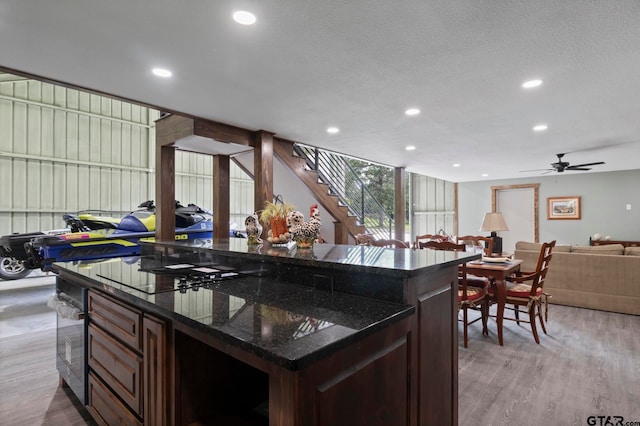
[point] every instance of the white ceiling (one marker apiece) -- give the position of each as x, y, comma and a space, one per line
358, 64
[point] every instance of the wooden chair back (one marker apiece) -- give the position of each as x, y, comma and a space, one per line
477, 240
542, 267
370, 240
428, 237
390, 243
441, 245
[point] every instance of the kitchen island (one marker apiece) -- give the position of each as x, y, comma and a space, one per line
237, 334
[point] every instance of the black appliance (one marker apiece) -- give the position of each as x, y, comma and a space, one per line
71, 348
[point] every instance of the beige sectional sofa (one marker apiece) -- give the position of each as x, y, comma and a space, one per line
603, 277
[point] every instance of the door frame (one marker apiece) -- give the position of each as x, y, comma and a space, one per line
534, 186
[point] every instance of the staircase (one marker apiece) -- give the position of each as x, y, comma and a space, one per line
336, 187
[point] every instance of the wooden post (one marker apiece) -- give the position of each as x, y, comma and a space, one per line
221, 197
399, 216
173, 132
263, 169
165, 193
169, 129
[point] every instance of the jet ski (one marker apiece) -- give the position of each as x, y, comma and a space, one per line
91, 237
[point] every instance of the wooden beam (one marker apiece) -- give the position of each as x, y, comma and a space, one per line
221, 197
223, 132
399, 209
263, 169
171, 128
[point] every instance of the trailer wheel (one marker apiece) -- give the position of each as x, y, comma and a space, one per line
12, 269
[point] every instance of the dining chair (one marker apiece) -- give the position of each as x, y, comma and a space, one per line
526, 289
477, 241
391, 242
440, 245
370, 240
428, 237
469, 297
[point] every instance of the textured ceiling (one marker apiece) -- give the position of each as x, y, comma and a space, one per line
357, 65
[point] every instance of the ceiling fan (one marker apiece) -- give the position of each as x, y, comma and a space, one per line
560, 166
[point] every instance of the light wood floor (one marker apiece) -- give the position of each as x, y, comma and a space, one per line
589, 364
29, 391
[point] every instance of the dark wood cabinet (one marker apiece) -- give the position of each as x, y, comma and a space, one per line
383, 351
366, 383
120, 320
156, 371
105, 408
118, 367
127, 356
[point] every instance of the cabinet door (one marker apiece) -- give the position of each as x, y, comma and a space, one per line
120, 320
154, 344
105, 408
117, 365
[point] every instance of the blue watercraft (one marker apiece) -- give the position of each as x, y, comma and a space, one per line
97, 237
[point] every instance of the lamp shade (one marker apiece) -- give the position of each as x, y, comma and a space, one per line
493, 222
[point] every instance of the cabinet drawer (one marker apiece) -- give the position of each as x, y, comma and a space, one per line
118, 366
105, 408
123, 322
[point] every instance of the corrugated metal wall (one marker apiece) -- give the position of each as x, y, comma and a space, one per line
432, 206
63, 150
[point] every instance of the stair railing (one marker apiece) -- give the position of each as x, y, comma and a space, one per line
352, 192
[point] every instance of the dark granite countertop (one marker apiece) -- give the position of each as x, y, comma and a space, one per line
354, 258
289, 325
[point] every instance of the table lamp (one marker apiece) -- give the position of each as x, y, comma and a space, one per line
494, 222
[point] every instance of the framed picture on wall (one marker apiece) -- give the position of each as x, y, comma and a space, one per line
563, 208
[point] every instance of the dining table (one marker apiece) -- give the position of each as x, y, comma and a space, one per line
498, 270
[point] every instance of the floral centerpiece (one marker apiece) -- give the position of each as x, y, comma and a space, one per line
274, 216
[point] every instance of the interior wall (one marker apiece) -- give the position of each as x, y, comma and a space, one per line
432, 206
64, 150
293, 191
604, 200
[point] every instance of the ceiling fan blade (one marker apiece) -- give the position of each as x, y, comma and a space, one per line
536, 170
576, 168
585, 165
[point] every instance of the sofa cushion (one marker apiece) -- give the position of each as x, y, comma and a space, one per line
632, 251
524, 245
604, 249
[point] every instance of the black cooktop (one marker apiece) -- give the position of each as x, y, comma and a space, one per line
181, 277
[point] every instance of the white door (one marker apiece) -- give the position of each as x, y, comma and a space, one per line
517, 206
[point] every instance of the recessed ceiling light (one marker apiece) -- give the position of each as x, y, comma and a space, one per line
456, 165
161, 72
540, 127
243, 17
485, 174
333, 130
410, 148
412, 111
531, 84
